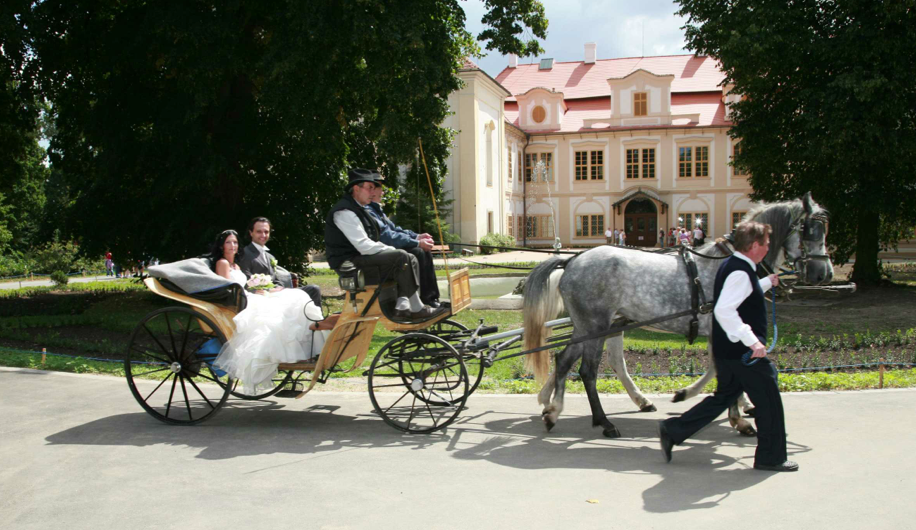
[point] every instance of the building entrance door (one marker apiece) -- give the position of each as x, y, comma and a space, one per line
640, 220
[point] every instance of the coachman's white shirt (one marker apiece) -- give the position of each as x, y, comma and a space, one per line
735, 290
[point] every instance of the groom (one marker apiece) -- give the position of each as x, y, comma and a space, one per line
255, 259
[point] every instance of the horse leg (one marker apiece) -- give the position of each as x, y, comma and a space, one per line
746, 405
565, 360
740, 424
615, 358
547, 390
589, 372
698, 385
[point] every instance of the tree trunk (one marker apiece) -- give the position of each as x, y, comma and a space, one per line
866, 271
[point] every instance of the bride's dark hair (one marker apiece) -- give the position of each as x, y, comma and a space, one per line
216, 249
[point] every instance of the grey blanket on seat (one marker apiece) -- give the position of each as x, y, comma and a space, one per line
192, 275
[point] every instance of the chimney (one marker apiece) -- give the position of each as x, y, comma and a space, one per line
513, 60
591, 50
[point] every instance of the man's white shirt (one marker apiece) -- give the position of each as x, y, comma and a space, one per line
735, 290
353, 229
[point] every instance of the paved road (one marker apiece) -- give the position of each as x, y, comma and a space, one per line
77, 451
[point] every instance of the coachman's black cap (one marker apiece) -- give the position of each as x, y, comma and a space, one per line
359, 175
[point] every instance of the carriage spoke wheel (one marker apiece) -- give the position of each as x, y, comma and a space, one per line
167, 366
453, 332
278, 381
418, 383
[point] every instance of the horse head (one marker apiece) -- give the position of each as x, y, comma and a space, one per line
799, 238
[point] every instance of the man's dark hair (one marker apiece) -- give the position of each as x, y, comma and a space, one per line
748, 232
259, 220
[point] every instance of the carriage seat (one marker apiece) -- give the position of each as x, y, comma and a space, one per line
352, 278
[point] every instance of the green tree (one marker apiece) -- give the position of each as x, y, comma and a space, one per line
176, 120
414, 208
829, 106
22, 168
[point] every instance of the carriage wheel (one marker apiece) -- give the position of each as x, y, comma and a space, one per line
279, 381
452, 331
167, 366
412, 373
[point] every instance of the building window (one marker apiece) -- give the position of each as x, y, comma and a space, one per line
634, 168
690, 220
589, 225
693, 161
519, 166
589, 165
509, 158
511, 226
490, 222
539, 227
489, 157
736, 218
648, 163
685, 162
531, 159
738, 172
597, 165
539, 114
640, 108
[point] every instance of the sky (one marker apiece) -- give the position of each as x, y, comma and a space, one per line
621, 28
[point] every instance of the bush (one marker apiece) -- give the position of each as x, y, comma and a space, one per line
496, 240
59, 278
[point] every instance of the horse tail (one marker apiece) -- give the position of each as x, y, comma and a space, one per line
542, 303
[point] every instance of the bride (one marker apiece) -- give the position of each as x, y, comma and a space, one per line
273, 329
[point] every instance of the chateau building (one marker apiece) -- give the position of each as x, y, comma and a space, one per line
637, 144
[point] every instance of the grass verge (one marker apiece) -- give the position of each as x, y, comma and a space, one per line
788, 382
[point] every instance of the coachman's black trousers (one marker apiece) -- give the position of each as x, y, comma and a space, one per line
398, 265
429, 289
760, 381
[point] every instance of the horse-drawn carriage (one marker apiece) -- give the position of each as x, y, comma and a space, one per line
418, 381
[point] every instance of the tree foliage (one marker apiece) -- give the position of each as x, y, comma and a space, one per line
22, 168
176, 120
829, 106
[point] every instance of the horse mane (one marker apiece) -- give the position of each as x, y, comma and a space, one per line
781, 216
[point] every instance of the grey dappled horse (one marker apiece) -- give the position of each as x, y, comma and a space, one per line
608, 285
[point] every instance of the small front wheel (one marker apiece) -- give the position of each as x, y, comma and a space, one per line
418, 383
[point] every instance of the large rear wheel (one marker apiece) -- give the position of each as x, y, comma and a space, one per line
169, 366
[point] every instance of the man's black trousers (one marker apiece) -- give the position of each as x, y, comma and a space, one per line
429, 289
760, 381
398, 265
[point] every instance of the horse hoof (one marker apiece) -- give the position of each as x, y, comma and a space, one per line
548, 422
648, 408
748, 431
751, 412
679, 396
611, 433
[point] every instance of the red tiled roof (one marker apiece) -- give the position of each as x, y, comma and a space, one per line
469, 65
707, 104
579, 80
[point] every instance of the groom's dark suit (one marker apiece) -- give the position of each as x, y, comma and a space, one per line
252, 261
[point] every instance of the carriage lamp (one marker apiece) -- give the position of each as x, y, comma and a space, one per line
351, 278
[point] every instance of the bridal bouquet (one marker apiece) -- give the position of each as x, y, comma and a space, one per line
260, 282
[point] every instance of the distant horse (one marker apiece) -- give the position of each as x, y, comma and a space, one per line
610, 285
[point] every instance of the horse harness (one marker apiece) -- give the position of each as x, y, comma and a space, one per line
806, 229
698, 302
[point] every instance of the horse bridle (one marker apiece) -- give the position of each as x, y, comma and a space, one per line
805, 229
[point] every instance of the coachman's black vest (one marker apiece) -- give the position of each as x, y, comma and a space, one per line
339, 248
752, 311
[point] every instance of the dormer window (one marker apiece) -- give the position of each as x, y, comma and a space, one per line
640, 104
539, 114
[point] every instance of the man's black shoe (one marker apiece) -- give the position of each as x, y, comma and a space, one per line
402, 315
665, 440
434, 304
788, 465
426, 313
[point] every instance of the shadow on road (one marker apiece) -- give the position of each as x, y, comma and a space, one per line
698, 478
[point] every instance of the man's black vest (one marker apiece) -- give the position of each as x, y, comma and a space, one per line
339, 248
752, 311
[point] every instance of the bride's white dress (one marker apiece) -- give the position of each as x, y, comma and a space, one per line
272, 329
